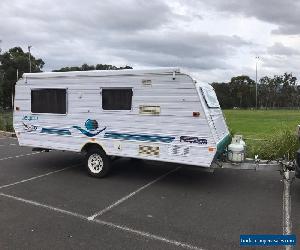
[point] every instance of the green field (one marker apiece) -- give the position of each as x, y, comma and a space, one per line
271, 134
6, 121
260, 124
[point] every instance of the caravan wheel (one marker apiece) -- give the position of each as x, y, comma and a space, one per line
97, 163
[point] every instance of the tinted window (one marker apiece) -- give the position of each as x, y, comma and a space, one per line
116, 99
48, 101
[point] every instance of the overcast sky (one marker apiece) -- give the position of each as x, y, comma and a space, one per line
213, 39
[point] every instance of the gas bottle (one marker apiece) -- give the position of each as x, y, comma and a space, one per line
236, 150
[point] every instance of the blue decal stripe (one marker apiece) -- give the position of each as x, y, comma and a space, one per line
87, 133
139, 137
56, 131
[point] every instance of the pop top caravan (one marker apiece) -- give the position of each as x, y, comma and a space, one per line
159, 114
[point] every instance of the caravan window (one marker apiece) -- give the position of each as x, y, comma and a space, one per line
117, 99
51, 101
210, 98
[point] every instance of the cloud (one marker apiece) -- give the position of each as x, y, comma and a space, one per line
279, 64
282, 50
285, 14
43, 22
135, 32
216, 39
189, 49
122, 15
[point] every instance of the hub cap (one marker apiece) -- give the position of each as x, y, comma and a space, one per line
95, 163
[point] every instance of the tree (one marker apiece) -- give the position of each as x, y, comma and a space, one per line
1, 89
243, 87
279, 91
222, 91
10, 62
273, 92
239, 92
289, 92
86, 67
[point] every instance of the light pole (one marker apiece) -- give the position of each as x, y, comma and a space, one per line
29, 57
256, 58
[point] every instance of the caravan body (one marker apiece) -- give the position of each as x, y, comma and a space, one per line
158, 114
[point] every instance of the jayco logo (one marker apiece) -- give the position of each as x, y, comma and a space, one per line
30, 118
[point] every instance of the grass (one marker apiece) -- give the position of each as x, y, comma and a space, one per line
276, 127
261, 123
6, 121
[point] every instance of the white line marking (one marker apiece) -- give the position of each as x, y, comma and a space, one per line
18, 156
11, 144
104, 223
37, 204
92, 217
37, 177
148, 235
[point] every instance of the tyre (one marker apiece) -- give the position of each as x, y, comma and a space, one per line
97, 162
136, 160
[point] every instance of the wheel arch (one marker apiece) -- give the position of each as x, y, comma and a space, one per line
89, 145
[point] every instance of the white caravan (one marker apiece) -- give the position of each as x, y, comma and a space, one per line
159, 114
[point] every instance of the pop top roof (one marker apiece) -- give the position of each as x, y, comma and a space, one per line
95, 73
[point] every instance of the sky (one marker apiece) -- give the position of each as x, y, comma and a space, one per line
213, 40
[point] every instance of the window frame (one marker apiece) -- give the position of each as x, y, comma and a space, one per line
116, 110
203, 91
67, 98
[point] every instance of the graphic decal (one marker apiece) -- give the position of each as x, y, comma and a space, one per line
139, 137
179, 150
190, 139
56, 131
147, 82
148, 150
30, 118
29, 127
91, 128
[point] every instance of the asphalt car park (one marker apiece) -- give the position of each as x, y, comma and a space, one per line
47, 201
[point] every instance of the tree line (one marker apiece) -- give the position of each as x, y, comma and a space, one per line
86, 67
280, 91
